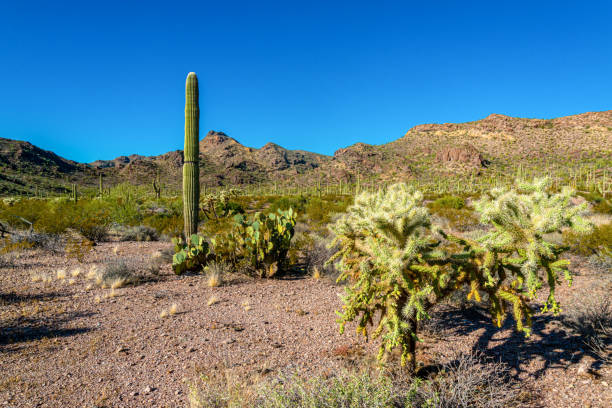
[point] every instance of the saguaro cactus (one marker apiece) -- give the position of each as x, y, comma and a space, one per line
191, 172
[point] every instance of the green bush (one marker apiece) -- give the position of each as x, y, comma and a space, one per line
451, 202
598, 241
298, 204
320, 210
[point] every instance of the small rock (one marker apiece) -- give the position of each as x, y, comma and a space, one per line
133, 393
121, 349
148, 390
177, 392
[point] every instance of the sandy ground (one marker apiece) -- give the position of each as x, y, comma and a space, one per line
64, 345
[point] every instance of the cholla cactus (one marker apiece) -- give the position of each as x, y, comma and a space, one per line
388, 249
520, 219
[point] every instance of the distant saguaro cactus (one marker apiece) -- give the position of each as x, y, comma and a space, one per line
191, 172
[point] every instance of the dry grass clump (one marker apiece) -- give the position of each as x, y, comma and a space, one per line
61, 274
316, 257
171, 311
174, 309
212, 300
116, 274
158, 260
215, 272
469, 381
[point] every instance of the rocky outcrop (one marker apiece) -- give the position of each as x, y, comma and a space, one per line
466, 155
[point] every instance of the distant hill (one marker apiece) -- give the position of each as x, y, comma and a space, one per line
497, 143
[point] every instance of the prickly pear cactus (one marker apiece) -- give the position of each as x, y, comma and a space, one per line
190, 256
262, 241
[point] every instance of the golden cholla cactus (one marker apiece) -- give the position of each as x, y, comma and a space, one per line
388, 250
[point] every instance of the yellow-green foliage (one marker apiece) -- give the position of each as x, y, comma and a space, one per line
453, 202
396, 267
597, 241
320, 210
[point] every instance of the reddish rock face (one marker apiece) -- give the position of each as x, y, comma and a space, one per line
465, 154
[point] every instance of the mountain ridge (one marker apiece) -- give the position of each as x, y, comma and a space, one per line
494, 143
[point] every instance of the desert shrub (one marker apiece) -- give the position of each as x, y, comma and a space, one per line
165, 224
320, 211
602, 262
32, 210
78, 247
94, 225
598, 241
600, 203
468, 381
229, 208
396, 265
317, 255
139, 233
117, 273
346, 390
49, 242
592, 321
449, 201
298, 204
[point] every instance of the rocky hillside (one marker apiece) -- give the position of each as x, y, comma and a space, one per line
496, 143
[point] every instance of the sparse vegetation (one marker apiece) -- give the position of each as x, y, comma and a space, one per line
467, 381
592, 321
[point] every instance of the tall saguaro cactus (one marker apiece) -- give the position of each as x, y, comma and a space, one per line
191, 172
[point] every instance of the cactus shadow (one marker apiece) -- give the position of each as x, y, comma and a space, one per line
15, 333
551, 344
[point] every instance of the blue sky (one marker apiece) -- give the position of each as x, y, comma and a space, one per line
95, 80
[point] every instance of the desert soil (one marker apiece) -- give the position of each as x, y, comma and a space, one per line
64, 345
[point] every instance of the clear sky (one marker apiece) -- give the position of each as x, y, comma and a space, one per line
98, 79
